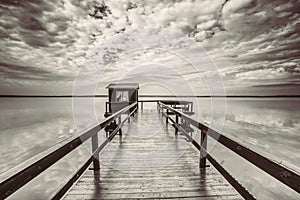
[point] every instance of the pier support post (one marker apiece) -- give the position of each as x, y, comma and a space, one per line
96, 160
176, 128
203, 147
119, 122
167, 111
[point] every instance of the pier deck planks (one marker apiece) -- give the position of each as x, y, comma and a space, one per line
149, 162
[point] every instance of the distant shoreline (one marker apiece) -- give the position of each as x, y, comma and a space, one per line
151, 96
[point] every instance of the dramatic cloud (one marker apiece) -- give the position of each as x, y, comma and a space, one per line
255, 44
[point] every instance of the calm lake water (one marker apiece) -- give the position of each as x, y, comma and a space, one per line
29, 127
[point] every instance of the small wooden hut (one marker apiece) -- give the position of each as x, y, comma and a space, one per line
121, 95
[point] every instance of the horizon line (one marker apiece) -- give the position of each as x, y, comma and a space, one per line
166, 96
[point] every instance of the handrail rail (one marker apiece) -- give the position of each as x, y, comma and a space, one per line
13, 183
284, 175
205, 155
108, 103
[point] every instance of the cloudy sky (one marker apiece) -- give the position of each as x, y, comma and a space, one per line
255, 45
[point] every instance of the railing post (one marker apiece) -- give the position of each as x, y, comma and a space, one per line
203, 147
96, 160
119, 122
176, 128
167, 116
133, 109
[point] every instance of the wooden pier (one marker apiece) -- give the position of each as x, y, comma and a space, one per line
150, 154
148, 161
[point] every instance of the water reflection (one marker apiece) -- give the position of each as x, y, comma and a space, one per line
269, 127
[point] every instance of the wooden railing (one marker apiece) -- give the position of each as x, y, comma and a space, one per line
173, 103
15, 182
284, 175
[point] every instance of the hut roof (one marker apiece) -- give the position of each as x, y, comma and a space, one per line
123, 86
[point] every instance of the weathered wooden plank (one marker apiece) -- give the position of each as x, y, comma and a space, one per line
79, 197
166, 185
223, 189
151, 195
